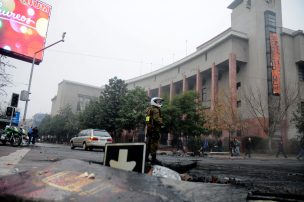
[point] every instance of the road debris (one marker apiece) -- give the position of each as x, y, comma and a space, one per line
66, 180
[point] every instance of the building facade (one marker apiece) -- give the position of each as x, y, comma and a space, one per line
255, 53
74, 94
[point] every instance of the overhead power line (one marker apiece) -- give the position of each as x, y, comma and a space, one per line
106, 58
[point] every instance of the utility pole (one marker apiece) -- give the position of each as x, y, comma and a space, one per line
31, 75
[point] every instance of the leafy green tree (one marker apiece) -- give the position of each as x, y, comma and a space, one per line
111, 100
190, 114
171, 117
91, 117
57, 126
45, 127
132, 112
62, 126
184, 116
71, 126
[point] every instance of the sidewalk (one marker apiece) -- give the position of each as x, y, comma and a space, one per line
253, 156
169, 151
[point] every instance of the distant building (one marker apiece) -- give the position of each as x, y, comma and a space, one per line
255, 52
37, 119
74, 94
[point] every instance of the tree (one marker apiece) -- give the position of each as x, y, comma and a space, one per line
45, 127
224, 116
298, 119
269, 113
71, 125
5, 79
132, 112
62, 127
191, 122
131, 115
116, 109
37, 119
92, 115
184, 116
111, 100
171, 116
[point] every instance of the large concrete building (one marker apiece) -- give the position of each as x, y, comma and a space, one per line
75, 95
255, 53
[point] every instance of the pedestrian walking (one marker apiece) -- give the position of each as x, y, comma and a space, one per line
248, 145
154, 123
204, 146
236, 147
281, 149
220, 145
301, 152
30, 135
34, 135
232, 148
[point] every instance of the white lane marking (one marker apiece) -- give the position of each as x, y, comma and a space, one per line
8, 163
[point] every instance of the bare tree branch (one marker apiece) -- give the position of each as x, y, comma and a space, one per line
277, 107
5, 78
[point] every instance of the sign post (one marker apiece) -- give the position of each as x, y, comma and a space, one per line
125, 156
15, 119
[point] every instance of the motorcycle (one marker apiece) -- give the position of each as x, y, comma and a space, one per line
25, 137
13, 135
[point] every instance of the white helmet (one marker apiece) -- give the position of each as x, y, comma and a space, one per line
157, 102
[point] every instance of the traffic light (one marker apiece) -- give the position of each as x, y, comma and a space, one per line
9, 111
15, 99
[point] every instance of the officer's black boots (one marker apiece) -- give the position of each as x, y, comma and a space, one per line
155, 161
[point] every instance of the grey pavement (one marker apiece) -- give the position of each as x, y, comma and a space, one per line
64, 181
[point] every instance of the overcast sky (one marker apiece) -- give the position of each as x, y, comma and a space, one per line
123, 38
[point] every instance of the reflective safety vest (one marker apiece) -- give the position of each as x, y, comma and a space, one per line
149, 116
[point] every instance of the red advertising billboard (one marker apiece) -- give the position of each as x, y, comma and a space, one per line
23, 28
276, 66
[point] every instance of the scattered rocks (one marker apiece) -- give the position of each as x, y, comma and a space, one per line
186, 177
91, 176
87, 175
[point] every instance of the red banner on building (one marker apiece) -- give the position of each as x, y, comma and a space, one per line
276, 66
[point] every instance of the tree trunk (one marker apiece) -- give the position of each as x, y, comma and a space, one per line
270, 144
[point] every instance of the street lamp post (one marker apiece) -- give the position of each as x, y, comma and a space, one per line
32, 69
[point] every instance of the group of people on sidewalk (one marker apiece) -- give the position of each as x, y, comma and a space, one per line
32, 134
154, 123
235, 145
205, 147
235, 148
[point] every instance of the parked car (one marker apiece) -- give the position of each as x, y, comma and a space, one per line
91, 138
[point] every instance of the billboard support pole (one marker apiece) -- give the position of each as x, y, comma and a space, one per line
31, 75
13, 111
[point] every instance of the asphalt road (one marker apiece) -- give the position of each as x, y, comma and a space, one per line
41, 155
265, 176
262, 175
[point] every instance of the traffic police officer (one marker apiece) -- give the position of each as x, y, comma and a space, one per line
154, 123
